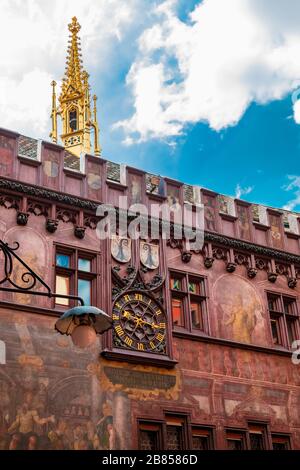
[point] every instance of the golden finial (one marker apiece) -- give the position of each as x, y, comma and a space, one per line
74, 27
75, 101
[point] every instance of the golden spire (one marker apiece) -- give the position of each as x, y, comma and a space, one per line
74, 73
75, 102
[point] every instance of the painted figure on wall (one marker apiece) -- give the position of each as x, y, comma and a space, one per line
243, 221
275, 227
209, 212
239, 310
173, 197
48, 400
135, 189
7, 154
106, 433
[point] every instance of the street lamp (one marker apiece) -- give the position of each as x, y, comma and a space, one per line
83, 322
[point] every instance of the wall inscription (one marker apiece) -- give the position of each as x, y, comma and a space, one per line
137, 379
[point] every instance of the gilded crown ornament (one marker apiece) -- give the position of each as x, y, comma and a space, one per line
75, 109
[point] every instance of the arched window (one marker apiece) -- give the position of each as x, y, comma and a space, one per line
73, 120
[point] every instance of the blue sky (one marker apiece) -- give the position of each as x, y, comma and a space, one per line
197, 91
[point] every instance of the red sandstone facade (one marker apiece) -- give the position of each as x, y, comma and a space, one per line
221, 377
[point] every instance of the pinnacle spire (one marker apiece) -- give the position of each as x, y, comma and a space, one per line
77, 116
74, 70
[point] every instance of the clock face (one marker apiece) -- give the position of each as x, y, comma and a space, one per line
139, 323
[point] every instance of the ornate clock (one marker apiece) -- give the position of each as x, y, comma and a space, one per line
139, 322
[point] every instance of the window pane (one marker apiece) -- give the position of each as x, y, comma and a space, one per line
62, 260
84, 264
195, 287
175, 283
149, 440
274, 303
200, 442
290, 330
257, 440
235, 440
280, 446
235, 444
289, 305
174, 438
280, 443
62, 286
177, 312
196, 313
84, 290
275, 331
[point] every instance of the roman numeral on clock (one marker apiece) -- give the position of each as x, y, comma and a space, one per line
119, 330
128, 341
160, 337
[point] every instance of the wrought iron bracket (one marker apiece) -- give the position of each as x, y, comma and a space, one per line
29, 278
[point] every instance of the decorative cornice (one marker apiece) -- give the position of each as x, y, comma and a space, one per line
53, 196
211, 237
253, 247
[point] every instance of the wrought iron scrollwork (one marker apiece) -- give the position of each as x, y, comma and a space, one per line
29, 278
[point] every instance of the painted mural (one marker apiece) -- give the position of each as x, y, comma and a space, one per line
240, 311
209, 212
210, 385
56, 396
49, 399
7, 154
135, 189
243, 222
34, 251
275, 225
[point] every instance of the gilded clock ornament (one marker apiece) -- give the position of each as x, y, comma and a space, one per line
139, 322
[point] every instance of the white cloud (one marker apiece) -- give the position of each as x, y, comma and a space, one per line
293, 186
33, 37
211, 67
240, 191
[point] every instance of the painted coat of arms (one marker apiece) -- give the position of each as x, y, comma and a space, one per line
149, 255
121, 248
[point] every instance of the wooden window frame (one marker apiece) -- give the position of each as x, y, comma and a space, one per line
188, 428
266, 435
188, 298
282, 317
283, 437
151, 423
238, 432
209, 430
75, 274
185, 435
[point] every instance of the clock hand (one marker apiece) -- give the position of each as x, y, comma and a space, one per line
139, 320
